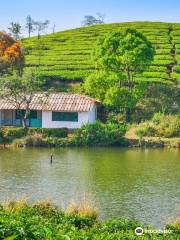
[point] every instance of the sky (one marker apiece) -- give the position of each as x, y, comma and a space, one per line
68, 14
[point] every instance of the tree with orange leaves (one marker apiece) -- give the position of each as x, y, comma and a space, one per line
11, 55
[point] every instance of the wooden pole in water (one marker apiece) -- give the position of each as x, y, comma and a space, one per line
51, 160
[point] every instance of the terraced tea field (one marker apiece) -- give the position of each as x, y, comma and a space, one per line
66, 55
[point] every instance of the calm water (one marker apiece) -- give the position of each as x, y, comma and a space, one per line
133, 183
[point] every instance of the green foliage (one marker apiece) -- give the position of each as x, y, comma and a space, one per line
124, 98
105, 87
49, 132
37, 137
98, 83
125, 52
20, 221
66, 55
90, 134
157, 98
99, 134
7, 135
35, 140
161, 126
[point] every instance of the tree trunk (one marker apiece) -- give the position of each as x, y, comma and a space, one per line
25, 118
128, 114
25, 123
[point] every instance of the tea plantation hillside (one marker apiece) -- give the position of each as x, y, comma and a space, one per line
66, 55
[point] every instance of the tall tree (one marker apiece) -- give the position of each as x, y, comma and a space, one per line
11, 55
128, 52
20, 91
15, 30
123, 54
30, 25
41, 26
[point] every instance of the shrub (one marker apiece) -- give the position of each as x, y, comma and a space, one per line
169, 126
42, 220
161, 126
34, 137
157, 117
31, 141
174, 226
99, 134
147, 130
7, 135
50, 132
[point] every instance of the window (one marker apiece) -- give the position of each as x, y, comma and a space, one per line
65, 116
20, 114
33, 115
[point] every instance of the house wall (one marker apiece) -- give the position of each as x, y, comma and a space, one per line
7, 116
83, 118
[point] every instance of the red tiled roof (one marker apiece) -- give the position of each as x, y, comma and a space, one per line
66, 102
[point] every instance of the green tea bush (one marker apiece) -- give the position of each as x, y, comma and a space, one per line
67, 54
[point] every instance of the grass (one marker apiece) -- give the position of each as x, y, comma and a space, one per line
160, 131
43, 220
67, 55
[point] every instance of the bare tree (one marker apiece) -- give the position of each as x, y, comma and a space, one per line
41, 26
100, 17
30, 25
90, 20
15, 30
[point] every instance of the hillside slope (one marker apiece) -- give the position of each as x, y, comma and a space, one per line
67, 55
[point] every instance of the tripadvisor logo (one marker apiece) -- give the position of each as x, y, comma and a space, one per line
138, 231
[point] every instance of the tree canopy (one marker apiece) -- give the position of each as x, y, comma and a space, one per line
15, 30
127, 52
11, 54
118, 57
90, 20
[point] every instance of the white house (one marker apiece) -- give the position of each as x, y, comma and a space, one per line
54, 110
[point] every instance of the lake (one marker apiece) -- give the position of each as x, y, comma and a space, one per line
131, 183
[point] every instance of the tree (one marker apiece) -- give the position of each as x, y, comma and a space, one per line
128, 52
30, 25
91, 20
40, 45
20, 90
100, 18
41, 26
15, 30
123, 54
11, 55
105, 87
